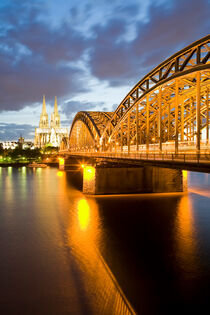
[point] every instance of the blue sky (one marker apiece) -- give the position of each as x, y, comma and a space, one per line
87, 53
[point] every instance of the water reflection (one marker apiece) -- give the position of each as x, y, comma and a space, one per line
8, 187
60, 173
83, 213
85, 239
185, 236
53, 237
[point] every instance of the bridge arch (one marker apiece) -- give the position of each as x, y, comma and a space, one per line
167, 110
86, 130
169, 105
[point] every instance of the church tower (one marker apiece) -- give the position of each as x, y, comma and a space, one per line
43, 123
55, 117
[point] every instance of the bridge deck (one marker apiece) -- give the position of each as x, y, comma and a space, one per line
192, 162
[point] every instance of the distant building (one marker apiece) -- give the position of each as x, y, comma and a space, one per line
20, 142
9, 144
14, 144
52, 134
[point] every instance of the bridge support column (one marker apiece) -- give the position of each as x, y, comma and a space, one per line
147, 123
137, 127
198, 119
207, 115
191, 127
118, 180
169, 121
128, 133
160, 119
182, 118
121, 137
176, 114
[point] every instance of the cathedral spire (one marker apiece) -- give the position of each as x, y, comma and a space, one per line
56, 106
55, 117
44, 111
43, 123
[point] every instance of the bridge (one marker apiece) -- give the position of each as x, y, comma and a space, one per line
163, 119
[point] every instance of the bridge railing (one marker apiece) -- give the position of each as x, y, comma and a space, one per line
181, 157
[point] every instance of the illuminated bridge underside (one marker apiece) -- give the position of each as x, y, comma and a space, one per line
168, 110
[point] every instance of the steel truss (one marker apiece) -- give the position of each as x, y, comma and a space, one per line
168, 110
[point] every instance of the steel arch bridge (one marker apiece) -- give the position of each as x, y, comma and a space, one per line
166, 111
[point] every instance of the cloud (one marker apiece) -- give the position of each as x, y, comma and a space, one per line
13, 131
51, 49
72, 107
167, 29
35, 59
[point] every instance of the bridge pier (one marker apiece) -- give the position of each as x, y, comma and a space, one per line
146, 179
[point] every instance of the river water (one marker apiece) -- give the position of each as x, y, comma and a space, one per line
62, 252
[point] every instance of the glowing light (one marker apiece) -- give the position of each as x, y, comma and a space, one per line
83, 214
61, 161
184, 174
82, 165
59, 173
89, 173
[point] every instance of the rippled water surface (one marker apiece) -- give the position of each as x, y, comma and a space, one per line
66, 253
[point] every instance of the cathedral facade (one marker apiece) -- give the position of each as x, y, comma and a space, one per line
49, 134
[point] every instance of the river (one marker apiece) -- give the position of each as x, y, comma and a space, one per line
66, 253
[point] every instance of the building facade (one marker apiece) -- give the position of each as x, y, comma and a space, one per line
49, 134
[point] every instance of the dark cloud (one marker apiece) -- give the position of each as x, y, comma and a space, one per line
53, 45
13, 131
25, 82
168, 29
72, 107
38, 58
33, 58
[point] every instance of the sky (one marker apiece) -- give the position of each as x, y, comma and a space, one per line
88, 53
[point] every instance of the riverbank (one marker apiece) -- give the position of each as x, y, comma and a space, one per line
15, 164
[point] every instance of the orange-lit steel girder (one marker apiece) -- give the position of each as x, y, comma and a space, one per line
177, 81
86, 130
166, 110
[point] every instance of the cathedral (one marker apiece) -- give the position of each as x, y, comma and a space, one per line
52, 134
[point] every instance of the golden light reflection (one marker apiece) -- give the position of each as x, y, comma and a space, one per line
10, 170
185, 235
38, 170
83, 214
85, 237
89, 173
23, 170
60, 173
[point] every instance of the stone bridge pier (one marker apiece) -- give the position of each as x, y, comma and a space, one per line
100, 177
122, 180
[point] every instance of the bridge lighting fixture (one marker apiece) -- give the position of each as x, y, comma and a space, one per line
61, 161
89, 173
